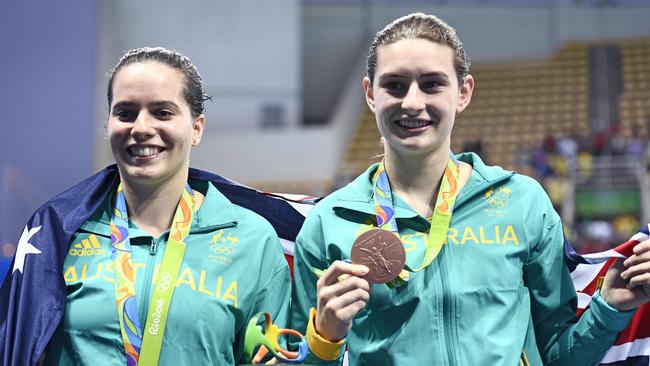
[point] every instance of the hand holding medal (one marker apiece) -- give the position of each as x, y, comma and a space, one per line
342, 293
378, 256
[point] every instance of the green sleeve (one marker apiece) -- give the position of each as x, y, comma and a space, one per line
273, 295
304, 289
562, 339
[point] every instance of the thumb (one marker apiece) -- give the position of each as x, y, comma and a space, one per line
613, 277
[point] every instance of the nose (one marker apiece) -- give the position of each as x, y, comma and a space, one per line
142, 126
413, 101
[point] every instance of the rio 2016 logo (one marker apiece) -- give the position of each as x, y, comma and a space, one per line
155, 317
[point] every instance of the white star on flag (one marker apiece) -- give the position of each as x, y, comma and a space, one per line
24, 248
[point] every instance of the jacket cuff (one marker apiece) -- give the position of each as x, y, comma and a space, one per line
319, 346
607, 316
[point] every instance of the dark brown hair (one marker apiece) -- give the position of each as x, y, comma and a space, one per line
420, 26
192, 88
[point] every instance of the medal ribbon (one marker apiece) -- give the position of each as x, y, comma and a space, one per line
145, 349
440, 220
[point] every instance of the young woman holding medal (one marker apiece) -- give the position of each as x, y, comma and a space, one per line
167, 271
484, 280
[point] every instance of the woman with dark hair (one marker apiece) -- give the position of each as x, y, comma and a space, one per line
167, 271
453, 262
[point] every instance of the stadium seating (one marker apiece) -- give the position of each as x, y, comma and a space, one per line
634, 103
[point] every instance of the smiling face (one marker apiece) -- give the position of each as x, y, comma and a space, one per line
415, 96
150, 126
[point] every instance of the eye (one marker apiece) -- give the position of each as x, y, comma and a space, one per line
125, 115
163, 114
430, 85
394, 86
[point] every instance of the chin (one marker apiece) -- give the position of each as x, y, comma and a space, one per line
142, 174
415, 146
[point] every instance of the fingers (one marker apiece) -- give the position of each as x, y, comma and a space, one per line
615, 289
637, 271
640, 280
338, 269
329, 292
339, 301
335, 294
345, 307
642, 247
641, 254
344, 293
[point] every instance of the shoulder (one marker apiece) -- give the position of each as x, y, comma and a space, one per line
358, 190
92, 189
218, 205
327, 219
493, 176
524, 194
255, 238
65, 213
528, 185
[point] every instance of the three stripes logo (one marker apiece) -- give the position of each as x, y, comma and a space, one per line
87, 247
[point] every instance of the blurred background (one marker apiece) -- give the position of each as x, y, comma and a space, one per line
562, 94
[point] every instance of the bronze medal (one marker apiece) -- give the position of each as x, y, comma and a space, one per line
382, 252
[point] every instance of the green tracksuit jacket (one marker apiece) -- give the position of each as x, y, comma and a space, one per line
499, 292
233, 267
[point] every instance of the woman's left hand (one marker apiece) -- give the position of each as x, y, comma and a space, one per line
627, 283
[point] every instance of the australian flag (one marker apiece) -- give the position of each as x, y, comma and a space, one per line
32, 297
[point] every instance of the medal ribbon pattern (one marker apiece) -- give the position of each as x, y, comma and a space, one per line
139, 348
445, 201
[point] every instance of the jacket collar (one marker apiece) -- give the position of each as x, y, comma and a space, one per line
359, 195
216, 210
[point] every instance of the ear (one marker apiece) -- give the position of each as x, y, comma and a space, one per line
197, 129
370, 98
465, 93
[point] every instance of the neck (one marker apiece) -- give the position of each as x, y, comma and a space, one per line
152, 207
417, 178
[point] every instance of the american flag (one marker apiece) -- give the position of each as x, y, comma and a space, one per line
32, 297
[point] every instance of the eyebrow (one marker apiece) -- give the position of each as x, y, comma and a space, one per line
439, 75
165, 104
161, 103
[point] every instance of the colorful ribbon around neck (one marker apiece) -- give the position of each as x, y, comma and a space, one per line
440, 220
265, 340
144, 349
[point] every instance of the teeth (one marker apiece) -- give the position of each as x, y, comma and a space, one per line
409, 123
144, 151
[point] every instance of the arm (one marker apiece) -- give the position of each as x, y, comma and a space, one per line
561, 338
304, 297
324, 308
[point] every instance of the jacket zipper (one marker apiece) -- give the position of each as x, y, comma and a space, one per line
146, 289
150, 266
448, 311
